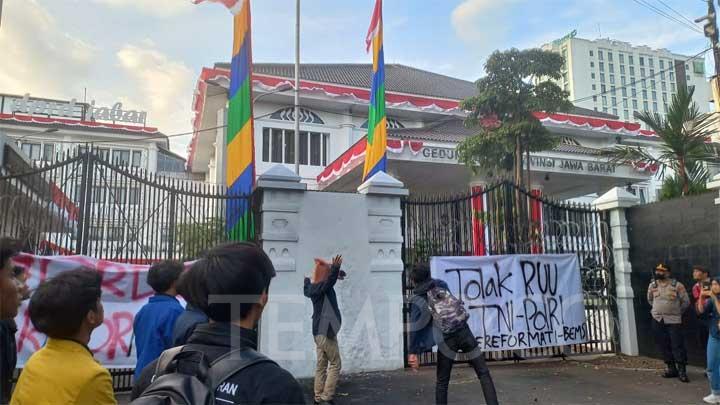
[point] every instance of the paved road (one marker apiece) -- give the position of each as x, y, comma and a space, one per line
561, 383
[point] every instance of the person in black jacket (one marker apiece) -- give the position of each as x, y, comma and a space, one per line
424, 335
326, 325
10, 296
189, 319
242, 271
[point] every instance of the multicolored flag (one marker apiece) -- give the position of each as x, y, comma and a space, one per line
240, 152
375, 158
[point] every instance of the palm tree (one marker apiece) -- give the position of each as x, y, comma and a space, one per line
684, 149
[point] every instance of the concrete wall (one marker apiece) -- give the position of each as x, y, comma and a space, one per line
298, 226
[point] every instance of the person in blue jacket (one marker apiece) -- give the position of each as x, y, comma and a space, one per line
154, 323
709, 308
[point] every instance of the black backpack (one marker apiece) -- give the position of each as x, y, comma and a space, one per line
184, 376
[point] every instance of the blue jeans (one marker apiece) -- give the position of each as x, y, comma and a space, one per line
713, 363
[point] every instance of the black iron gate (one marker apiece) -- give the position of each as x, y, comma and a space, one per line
85, 204
506, 219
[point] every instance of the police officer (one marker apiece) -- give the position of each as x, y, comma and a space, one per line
669, 300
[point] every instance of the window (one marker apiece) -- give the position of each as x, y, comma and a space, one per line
651, 62
96, 233
665, 105
622, 57
671, 66
604, 100
652, 72
592, 64
672, 76
612, 79
612, 67
655, 108
605, 109
622, 80
49, 152
134, 196
672, 87
662, 64
645, 106
625, 103
662, 75
288, 114
115, 233
687, 78
593, 86
664, 96
634, 92
635, 105
591, 53
645, 94
602, 67
118, 195
664, 86
642, 61
31, 150
614, 101
603, 88
98, 194
622, 69
652, 84
654, 95
103, 153
279, 147
610, 56
612, 90
602, 77
626, 113
624, 92
600, 55
641, 193
632, 71
642, 72
121, 157
630, 60
592, 76
595, 98
644, 83
615, 111
136, 157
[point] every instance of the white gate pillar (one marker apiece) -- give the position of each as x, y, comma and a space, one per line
714, 184
616, 201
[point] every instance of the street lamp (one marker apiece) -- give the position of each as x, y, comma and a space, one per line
282, 88
46, 131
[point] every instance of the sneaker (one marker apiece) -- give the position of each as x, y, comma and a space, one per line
712, 399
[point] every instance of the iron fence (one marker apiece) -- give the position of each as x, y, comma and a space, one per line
506, 219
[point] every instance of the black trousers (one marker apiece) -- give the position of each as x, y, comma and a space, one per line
462, 340
670, 341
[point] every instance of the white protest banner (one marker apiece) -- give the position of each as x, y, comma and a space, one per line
124, 292
518, 301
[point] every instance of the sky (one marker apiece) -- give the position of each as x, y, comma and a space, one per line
148, 54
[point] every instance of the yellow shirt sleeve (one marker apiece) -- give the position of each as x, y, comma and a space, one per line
99, 390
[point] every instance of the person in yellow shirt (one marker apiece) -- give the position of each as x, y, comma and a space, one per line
67, 308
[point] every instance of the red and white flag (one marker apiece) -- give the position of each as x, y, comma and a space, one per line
233, 5
375, 25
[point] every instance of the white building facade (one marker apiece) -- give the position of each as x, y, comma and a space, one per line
621, 79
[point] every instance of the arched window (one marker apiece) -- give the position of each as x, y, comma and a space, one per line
392, 123
288, 114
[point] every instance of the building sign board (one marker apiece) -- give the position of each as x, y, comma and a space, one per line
73, 109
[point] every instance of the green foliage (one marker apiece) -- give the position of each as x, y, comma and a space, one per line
517, 84
684, 149
192, 239
673, 186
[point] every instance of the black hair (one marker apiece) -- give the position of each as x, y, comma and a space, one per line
18, 271
420, 273
8, 249
701, 269
239, 269
161, 276
60, 304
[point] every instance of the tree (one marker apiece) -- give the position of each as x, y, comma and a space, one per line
194, 238
684, 144
517, 84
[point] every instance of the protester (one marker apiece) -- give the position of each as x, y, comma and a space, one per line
67, 308
708, 305
231, 283
154, 323
702, 280
189, 318
9, 304
426, 333
326, 322
669, 300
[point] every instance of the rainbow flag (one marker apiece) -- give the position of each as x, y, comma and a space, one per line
240, 152
375, 158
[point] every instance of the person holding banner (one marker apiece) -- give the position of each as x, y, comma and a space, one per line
433, 310
67, 308
669, 300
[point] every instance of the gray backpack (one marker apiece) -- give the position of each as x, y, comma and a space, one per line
448, 311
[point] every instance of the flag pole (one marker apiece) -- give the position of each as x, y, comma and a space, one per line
297, 87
